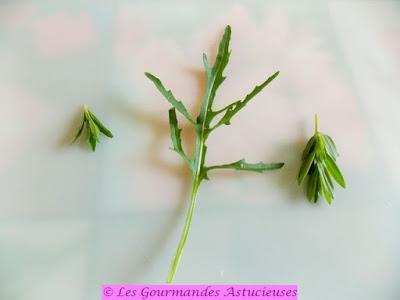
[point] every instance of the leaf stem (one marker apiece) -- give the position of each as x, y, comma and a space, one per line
189, 217
316, 123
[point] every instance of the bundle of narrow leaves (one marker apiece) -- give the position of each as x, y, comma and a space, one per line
319, 164
203, 126
93, 128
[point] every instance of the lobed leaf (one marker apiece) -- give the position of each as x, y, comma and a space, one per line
242, 165
175, 132
170, 97
215, 77
221, 62
235, 107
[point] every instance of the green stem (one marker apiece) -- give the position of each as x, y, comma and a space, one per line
199, 158
316, 123
189, 217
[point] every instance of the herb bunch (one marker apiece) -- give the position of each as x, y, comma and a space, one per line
319, 164
206, 122
93, 128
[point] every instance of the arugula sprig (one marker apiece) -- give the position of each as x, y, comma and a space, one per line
206, 122
93, 128
319, 164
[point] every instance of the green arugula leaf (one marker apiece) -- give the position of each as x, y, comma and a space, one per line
175, 131
176, 136
215, 75
170, 97
235, 107
242, 165
318, 162
202, 128
93, 128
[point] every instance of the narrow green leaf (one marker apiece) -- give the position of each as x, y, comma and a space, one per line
330, 146
221, 62
319, 146
242, 165
305, 167
309, 146
100, 125
334, 171
328, 177
311, 186
170, 97
327, 194
235, 107
80, 130
175, 130
318, 188
326, 187
91, 140
215, 78
94, 129
259, 88
175, 133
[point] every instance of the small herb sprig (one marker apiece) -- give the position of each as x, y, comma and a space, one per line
203, 126
93, 127
319, 164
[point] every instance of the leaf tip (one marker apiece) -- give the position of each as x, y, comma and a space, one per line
149, 75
